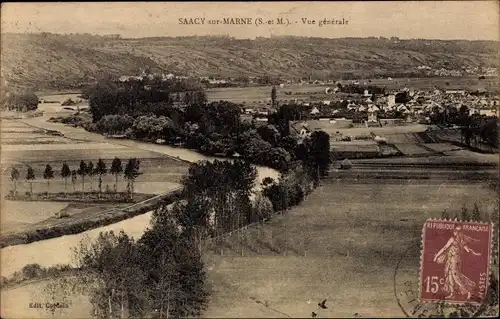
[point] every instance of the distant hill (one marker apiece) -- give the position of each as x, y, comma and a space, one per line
50, 61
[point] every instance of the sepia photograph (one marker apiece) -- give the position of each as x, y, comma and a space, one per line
323, 159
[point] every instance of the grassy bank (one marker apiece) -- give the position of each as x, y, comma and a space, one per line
88, 197
81, 225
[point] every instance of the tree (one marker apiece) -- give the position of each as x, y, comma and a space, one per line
278, 158
286, 113
48, 174
200, 98
30, 176
115, 123
277, 194
319, 154
103, 98
65, 174
156, 246
476, 214
82, 171
14, 177
445, 215
273, 96
188, 98
116, 169
255, 149
110, 270
74, 175
222, 191
100, 170
26, 101
32, 271
174, 271
131, 173
90, 172
269, 133
262, 207
464, 214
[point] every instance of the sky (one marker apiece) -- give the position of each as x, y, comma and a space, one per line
471, 20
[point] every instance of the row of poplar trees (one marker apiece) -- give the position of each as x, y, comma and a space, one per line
130, 173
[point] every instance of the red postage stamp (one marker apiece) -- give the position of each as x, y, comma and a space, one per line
455, 263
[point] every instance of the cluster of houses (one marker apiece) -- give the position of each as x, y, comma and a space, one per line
147, 75
416, 105
424, 102
464, 71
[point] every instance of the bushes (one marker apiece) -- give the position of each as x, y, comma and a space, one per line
290, 190
256, 150
27, 101
262, 208
277, 158
114, 124
68, 102
109, 197
33, 271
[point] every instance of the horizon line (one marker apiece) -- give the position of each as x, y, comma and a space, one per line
120, 37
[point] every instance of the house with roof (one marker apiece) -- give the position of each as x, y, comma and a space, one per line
489, 112
391, 100
314, 111
300, 129
454, 92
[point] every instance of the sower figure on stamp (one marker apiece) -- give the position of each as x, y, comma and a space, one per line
455, 280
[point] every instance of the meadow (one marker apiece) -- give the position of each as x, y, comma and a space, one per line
352, 236
262, 94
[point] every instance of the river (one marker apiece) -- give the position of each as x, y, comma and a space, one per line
55, 251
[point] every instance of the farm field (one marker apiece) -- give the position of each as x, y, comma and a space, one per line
30, 215
462, 158
16, 215
160, 173
262, 94
353, 147
421, 149
412, 149
17, 133
354, 233
381, 131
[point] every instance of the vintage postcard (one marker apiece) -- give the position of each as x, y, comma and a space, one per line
249, 159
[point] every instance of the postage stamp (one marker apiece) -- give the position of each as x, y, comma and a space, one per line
455, 261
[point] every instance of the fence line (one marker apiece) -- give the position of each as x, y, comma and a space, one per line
212, 240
